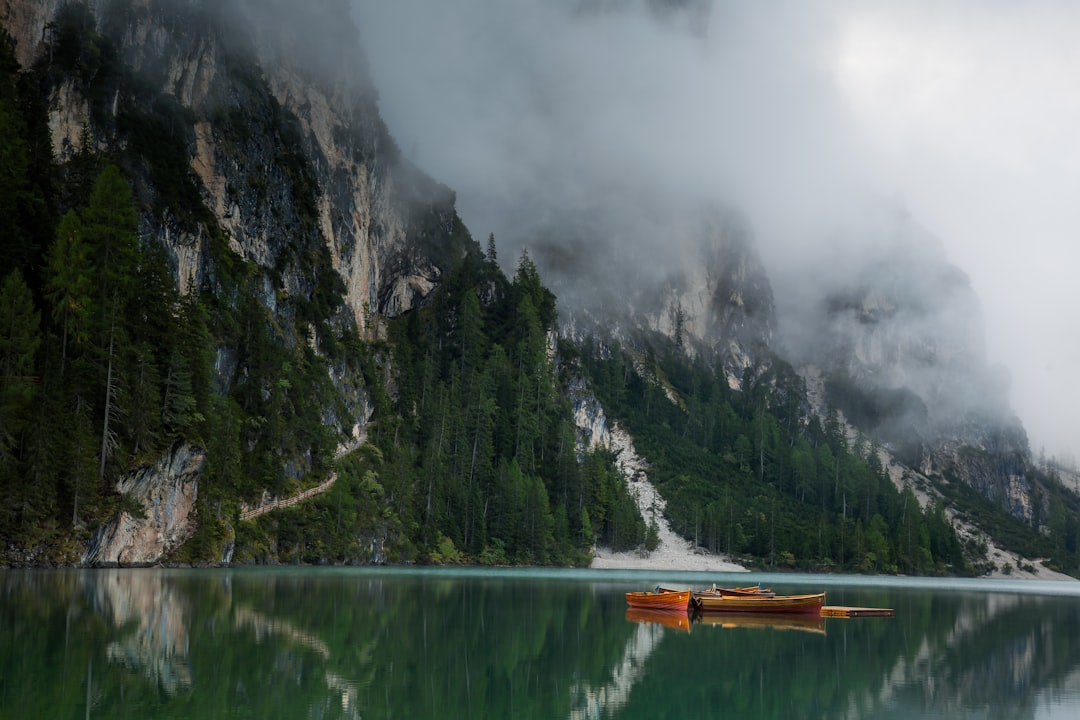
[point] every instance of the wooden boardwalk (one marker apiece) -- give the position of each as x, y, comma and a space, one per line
250, 512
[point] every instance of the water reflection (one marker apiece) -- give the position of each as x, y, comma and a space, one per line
994, 659
763, 621
589, 702
677, 620
345, 644
151, 619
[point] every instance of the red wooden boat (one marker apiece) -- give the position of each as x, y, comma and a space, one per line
660, 600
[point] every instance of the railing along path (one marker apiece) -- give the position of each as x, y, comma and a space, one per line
248, 512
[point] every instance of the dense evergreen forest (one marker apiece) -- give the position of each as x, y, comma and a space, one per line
474, 458
471, 453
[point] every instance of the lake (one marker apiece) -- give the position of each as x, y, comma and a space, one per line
393, 643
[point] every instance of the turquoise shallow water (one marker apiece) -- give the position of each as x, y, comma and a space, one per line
381, 643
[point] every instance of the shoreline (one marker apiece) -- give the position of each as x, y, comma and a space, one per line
671, 558
604, 560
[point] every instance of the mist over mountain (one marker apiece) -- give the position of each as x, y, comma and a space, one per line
236, 290
594, 133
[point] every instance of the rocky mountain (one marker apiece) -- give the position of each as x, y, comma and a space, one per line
899, 341
715, 302
320, 142
260, 163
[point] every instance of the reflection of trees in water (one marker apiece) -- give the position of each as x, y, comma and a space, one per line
481, 648
944, 655
266, 627
178, 646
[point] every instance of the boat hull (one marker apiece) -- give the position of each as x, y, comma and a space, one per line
659, 600
710, 602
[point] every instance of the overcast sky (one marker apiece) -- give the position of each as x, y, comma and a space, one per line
964, 115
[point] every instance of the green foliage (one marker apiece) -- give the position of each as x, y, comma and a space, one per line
484, 457
19, 341
26, 170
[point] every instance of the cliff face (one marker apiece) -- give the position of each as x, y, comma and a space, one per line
723, 302
165, 493
247, 90
708, 291
898, 336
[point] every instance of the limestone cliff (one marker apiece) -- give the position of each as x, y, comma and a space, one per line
165, 494
709, 294
722, 301
237, 67
899, 338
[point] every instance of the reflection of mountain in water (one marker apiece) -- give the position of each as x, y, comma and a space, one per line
946, 654
1000, 654
157, 645
591, 703
152, 615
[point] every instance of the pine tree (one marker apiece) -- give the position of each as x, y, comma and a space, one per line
110, 230
19, 341
67, 284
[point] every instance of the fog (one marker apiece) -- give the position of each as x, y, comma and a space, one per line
837, 129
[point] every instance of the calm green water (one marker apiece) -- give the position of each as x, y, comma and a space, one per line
302, 643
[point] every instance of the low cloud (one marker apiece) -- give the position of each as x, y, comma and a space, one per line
833, 127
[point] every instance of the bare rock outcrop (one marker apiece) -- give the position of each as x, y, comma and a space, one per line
166, 492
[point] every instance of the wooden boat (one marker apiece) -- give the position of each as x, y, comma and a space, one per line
752, 590
802, 622
708, 601
660, 600
677, 619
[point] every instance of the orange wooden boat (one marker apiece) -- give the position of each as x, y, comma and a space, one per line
677, 619
660, 600
709, 601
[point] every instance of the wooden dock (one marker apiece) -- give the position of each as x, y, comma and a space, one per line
840, 611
